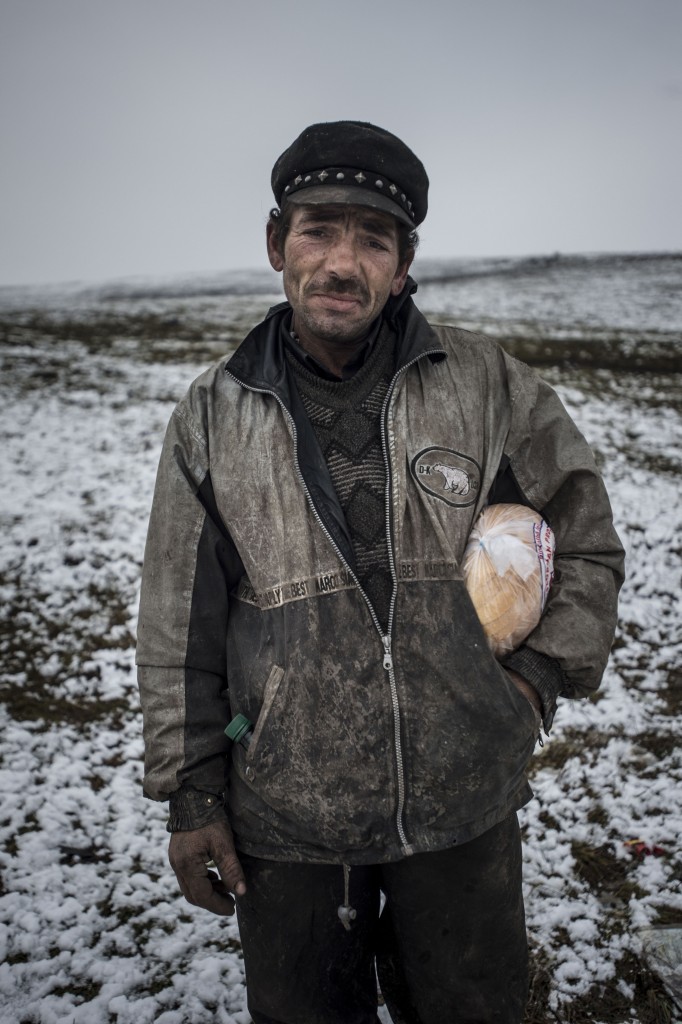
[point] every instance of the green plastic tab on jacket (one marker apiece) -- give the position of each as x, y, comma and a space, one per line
240, 730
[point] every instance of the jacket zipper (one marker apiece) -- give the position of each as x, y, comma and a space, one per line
385, 639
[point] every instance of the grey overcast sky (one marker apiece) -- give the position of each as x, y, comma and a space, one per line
138, 135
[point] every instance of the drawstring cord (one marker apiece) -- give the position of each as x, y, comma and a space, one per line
347, 914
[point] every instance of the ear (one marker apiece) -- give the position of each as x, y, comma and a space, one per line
274, 255
401, 275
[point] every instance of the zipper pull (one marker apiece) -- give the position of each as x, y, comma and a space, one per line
388, 658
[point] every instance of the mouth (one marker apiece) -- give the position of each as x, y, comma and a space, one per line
336, 300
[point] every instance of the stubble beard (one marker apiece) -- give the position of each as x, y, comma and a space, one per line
337, 327
331, 327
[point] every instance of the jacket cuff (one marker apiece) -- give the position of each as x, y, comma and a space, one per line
193, 808
544, 674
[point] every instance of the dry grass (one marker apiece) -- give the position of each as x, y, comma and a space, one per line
605, 1003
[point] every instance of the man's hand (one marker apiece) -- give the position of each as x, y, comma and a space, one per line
190, 852
528, 691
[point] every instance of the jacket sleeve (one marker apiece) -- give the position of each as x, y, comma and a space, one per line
190, 566
555, 471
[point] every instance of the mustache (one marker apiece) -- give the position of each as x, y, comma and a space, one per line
349, 287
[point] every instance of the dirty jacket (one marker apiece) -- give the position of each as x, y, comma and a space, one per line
367, 746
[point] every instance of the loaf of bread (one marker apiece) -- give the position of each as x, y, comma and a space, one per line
508, 569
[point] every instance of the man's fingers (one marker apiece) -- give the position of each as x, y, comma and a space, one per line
190, 852
207, 892
230, 869
527, 689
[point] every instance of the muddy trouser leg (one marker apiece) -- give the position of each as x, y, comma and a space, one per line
302, 966
452, 945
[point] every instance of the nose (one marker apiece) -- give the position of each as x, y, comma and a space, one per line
342, 257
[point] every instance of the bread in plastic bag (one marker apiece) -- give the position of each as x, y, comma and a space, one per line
508, 569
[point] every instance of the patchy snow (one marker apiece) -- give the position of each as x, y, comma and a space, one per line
92, 927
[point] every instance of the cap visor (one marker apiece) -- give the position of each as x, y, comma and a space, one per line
327, 195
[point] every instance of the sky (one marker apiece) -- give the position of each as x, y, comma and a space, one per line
137, 136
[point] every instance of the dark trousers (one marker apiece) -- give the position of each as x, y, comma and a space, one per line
449, 946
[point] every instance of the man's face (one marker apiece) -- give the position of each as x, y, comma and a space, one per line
340, 265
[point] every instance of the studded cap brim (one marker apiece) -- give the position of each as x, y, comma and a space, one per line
349, 196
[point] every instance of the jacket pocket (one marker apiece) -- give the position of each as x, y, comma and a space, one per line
269, 694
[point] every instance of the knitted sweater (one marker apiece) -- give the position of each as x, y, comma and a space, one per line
346, 418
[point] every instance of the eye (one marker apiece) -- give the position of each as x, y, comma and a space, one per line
374, 243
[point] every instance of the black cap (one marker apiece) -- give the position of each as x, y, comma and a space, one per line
353, 162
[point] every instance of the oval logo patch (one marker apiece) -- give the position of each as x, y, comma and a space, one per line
448, 475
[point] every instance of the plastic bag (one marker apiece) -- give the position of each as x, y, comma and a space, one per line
508, 569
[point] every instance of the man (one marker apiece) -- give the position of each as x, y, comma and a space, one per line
303, 570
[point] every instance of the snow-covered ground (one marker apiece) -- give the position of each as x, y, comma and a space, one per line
92, 927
